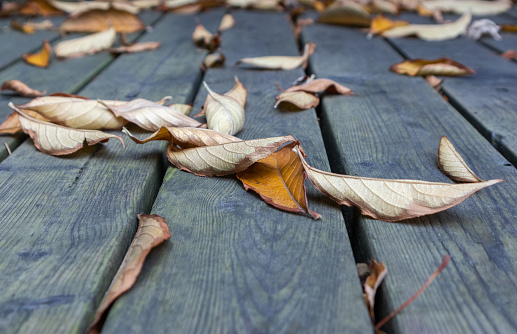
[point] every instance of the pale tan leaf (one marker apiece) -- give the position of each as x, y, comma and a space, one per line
423, 67
213, 60
54, 139
87, 45
452, 164
77, 113
385, 6
152, 231
224, 113
238, 92
224, 159
11, 123
300, 99
391, 200
137, 47
31, 27
281, 62
346, 13
150, 115
41, 58
182, 108
205, 38
76, 7
21, 89
321, 85
146, 4
475, 7
377, 273
432, 32
97, 20
226, 22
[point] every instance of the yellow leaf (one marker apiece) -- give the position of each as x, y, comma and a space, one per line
300, 99
346, 13
381, 24
281, 62
442, 66
79, 47
40, 59
99, 20
452, 164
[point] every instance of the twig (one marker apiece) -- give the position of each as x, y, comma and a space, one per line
431, 278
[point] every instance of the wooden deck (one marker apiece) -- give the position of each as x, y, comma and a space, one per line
234, 263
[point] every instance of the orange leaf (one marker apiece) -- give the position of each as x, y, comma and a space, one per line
381, 24
39, 7
152, 231
40, 59
509, 27
442, 66
21, 89
97, 20
280, 181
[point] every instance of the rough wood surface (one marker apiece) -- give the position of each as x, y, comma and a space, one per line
67, 222
61, 76
391, 129
487, 98
234, 263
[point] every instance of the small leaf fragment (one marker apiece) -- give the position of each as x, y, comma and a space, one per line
299, 99
213, 60
97, 20
11, 123
347, 13
137, 47
226, 22
321, 85
280, 181
21, 89
377, 273
452, 164
39, 59
434, 82
381, 24
391, 200
475, 7
225, 113
510, 54
423, 67
87, 45
205, 38
152, 231
281, 62
55, 139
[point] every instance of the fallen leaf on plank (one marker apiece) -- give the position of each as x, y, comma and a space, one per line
87, 45
347, 13
475, 7
321, 85
225, 113
55, 139
274, 5
97, 20
226, 22
225, 159
31, 27
377, 273
391, 200
61, 94
432, 32
75, 8
150, 115
281, 62
509, 27
21, 89
434, 82
213, 60
381, 24
39, 59
299, 99
510, 54
17, 25
137, 47
384, 6
182, 108
280, 181
11, 124
152, 231
205, 38
422, 67
38, 8
452, 164
76, 113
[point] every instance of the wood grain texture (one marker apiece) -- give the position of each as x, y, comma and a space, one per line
61, 76
67, 222
487, 98
234, 263
391, 129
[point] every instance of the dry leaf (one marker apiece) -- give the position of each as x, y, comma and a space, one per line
137, 47
75, 8
238, 92
378, 272
391, 200
21, 89
205, 38
76, 112
213, 60
482, 27
31, 27
452, 164
17, 25
434, 82
224, 159
150, 115
280, 181
346, 13
442, 66
40, 59
99, 20
55, 139
281, 62
300, 99
152, 231
11, 124
432, 32
321, 85
509, 27
475, 7
61, 94
223, 112
226, 22
384, 6
39, 8
510, 54
381, 24
87, 45
182, 108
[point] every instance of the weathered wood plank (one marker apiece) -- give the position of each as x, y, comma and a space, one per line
235, 264
67, 222
391, 129
487, 98
61, 76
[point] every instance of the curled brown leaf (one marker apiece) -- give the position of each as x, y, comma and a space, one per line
21, 89
97, 20
321, 85
299, 99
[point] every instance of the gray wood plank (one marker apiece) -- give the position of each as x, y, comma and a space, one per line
487, 98
67, 222
61, 76
235, 264
391, 129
